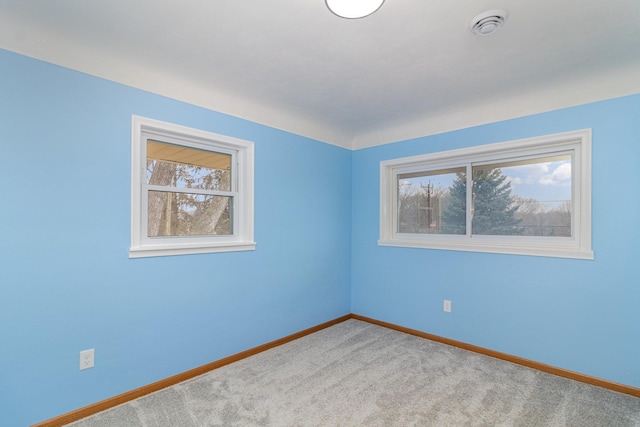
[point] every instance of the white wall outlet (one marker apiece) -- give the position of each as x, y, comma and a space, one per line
447, 306
86, 359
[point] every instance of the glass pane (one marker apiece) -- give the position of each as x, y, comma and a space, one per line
183, 167
432, 202
184, 214
528, 197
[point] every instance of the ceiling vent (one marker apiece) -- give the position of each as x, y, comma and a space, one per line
489, 21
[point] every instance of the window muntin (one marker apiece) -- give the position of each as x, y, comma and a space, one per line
506, 212
192, 191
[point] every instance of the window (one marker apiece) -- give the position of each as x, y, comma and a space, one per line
528, 197
191, 191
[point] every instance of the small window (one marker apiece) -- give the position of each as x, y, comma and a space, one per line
192, 191
530, 197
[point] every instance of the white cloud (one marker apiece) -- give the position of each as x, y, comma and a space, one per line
546, 180
560, 176
514, 180
563, 172
534, 172
538, 168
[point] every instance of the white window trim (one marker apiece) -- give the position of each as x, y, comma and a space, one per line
578, 246
243, 156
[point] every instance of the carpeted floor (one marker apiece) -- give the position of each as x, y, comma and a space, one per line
358, 374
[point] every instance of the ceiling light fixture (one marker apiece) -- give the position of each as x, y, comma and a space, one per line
352, 9
488, 22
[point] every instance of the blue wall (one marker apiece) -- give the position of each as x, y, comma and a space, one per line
575, 314
66, 283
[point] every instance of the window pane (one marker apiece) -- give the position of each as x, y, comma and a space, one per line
432, 202
184, 214
527, 197
185, 167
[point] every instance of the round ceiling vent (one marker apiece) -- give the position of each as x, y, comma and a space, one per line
489, 21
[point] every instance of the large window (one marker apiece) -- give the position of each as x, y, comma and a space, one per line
528, 197
191, 191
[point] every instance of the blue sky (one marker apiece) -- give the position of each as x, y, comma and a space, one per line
546, 182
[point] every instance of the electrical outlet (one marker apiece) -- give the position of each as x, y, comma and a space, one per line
86, 359
447, 306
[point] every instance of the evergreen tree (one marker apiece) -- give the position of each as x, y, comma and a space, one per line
454, 217
494, 211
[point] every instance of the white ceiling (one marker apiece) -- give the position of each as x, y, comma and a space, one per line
412, 68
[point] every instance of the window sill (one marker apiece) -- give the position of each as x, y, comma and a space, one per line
164, 250
496, 248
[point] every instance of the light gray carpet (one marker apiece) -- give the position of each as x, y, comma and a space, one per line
358, 374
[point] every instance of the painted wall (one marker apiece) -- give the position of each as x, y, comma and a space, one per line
66, 283
575, 314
